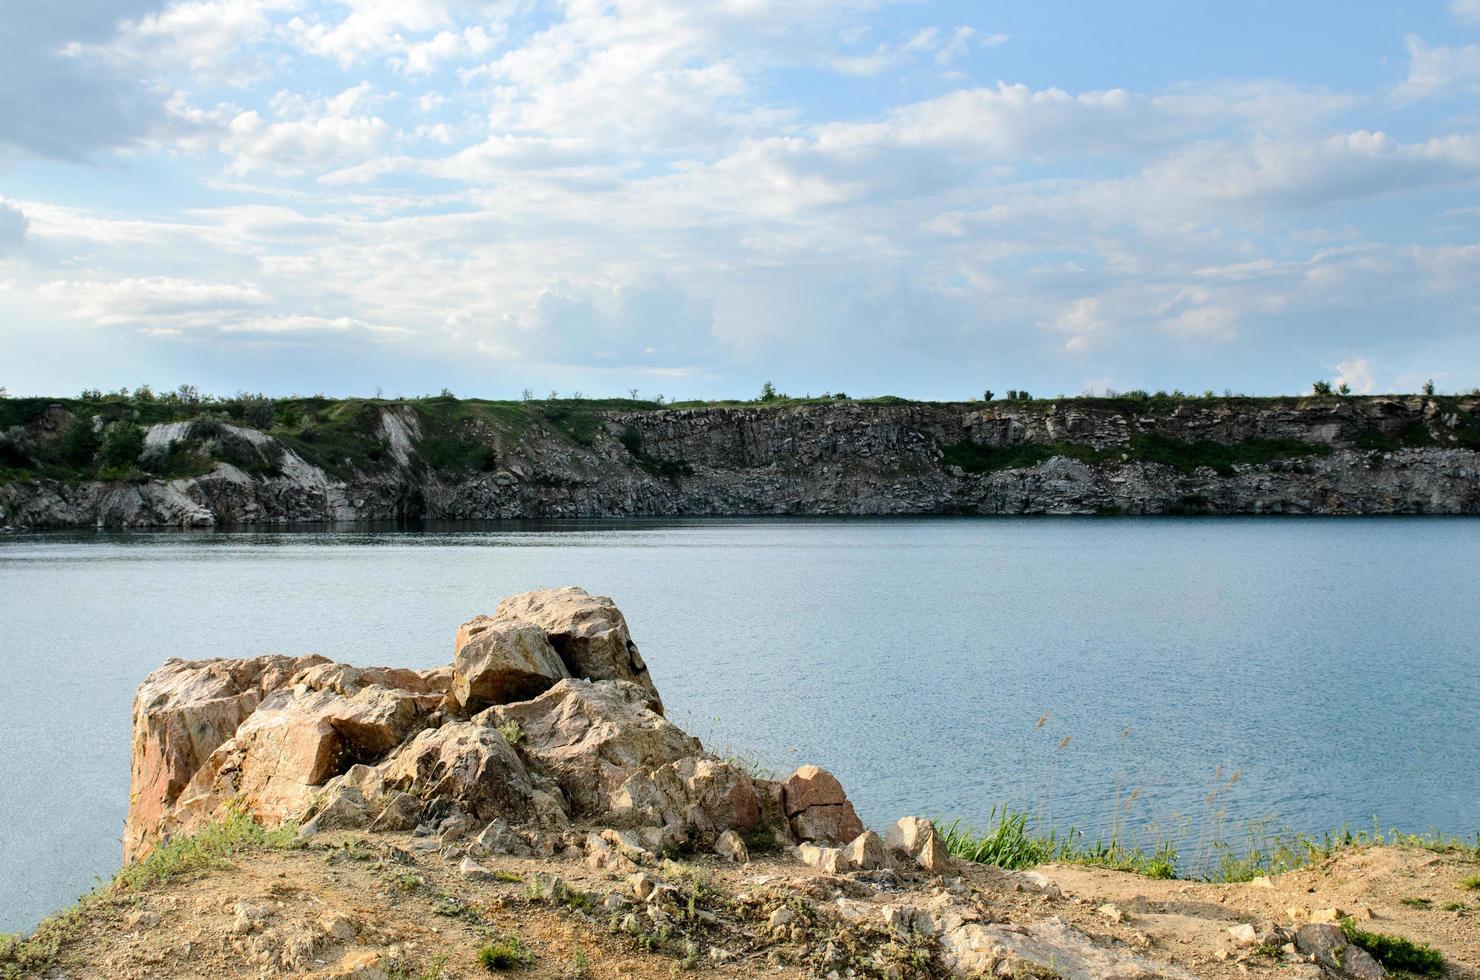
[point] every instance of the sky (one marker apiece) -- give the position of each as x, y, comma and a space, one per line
692, 197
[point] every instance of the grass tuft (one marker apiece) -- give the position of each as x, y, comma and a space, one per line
206, 848
508, 953
1394, 952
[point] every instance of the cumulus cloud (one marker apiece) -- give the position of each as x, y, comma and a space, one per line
1439, 70
642, 187
1355, 373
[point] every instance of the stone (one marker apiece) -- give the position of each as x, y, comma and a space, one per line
818, 810
1243, 934
300, 736
466, 763
501, 661
915, 839
810, 786
1262, 881
358, 965
780, 919
643, 885
1112, 912
731, 847
974, 949
866, 852
590, 737
1037, 881
473, 871
830, 860
337, 807
339, 927
588, 632
1331, 915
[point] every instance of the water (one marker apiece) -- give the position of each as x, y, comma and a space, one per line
1331, 662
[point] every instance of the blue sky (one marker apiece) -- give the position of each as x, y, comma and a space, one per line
689, 198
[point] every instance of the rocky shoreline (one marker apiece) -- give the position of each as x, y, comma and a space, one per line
1374, 455
529, 807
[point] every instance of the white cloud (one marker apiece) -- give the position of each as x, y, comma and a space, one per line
1355, 373
325, 133
1467, 11
1439, 70
152, 301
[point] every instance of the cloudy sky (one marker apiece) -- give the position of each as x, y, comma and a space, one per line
690, 197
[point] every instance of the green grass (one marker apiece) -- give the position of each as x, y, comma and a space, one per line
1472, 883
1009, 841
1395, 953
1013, 840
507, 953
208, 847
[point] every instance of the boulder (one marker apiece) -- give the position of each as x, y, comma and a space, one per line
831, 860
915, 839
590, 737
182, 713
588, 632
817, 807
1327, 944
730, 846
501, 661
866, 853
466, 763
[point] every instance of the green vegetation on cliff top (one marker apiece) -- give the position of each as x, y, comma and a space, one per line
58, 439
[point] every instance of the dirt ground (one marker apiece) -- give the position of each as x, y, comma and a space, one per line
391, 908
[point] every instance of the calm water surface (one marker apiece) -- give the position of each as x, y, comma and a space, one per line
1332, 663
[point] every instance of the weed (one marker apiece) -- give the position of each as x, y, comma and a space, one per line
235, 833
512, 732
1472, 883
1417, 903
579, 967
1394, 952
507, 953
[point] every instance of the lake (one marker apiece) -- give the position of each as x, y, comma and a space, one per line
1330, 663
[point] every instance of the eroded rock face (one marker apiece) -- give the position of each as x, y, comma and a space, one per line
468, 763
183, 712
332, 746
589, 632
591, 736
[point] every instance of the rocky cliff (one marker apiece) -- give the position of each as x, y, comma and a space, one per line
444, 459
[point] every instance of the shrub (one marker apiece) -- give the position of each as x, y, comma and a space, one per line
1321, 387
80, 442
16, 447
122, 444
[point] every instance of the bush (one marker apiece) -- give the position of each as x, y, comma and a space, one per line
16, 447
122, 444
80, 443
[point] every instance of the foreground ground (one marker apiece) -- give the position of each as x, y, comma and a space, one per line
399, 906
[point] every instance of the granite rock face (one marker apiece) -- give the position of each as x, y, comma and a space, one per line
332, 746
1369, 455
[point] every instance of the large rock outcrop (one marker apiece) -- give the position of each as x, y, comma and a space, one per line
546, 717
